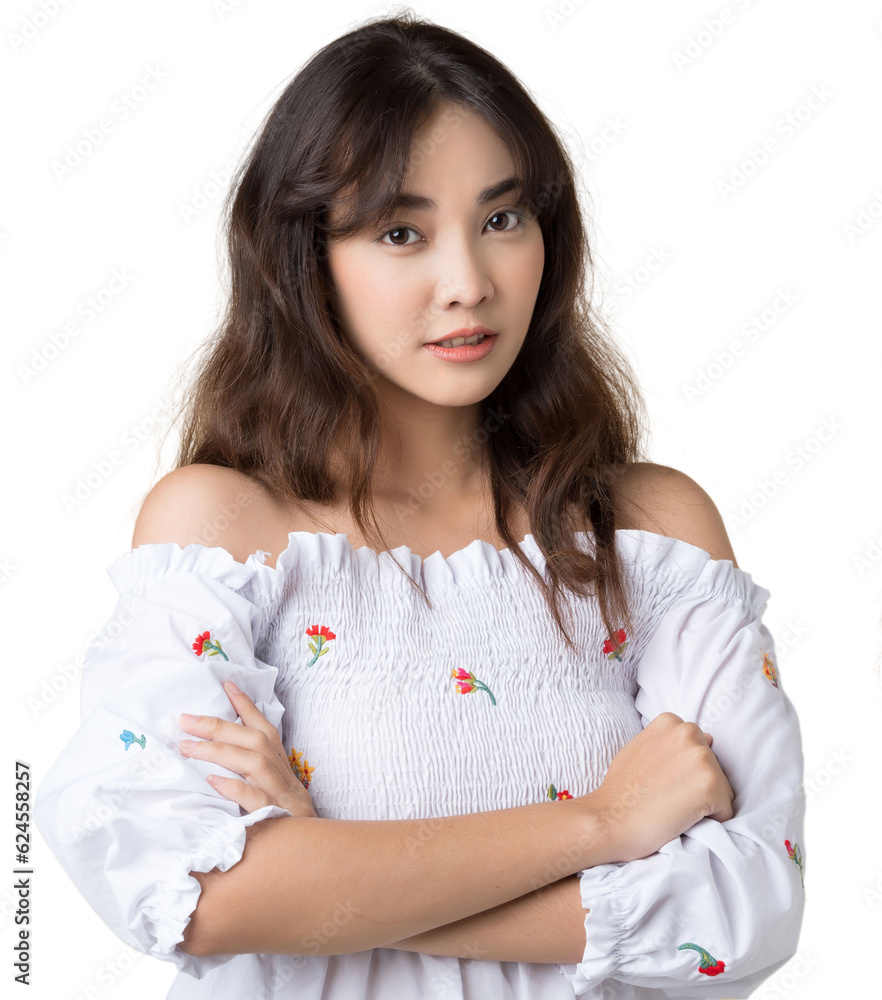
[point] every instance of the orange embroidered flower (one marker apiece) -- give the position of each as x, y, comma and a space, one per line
769, 669
615, 646
300, 768
466, 682
203, 644
319, 639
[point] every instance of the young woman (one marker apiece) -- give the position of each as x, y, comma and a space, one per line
423, 781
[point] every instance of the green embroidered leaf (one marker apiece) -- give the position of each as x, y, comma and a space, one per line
325, 650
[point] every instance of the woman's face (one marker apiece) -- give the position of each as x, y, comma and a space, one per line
428, 271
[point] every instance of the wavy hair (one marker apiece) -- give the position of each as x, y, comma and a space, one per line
277, 387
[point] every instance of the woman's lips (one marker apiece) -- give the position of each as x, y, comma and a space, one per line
465, 352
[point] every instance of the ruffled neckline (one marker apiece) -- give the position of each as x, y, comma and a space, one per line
335, 552
682, 564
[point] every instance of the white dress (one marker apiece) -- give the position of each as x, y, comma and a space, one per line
372, 704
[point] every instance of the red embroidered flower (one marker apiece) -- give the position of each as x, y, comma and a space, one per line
709, 965
320, 636
203, 644
795, 855
615, 646
467, 682
553, 793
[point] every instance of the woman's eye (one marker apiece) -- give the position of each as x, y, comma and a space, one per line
398, 231
504, 212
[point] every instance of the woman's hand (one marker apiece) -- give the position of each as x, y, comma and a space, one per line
658, 785
253, 750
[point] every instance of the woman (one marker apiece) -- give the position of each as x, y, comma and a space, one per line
430, 784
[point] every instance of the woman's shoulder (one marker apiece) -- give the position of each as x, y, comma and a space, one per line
664, 501
675, 542
206, 505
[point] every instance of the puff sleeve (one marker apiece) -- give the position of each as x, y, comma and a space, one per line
127, 816
718, 910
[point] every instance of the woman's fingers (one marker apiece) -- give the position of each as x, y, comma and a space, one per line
222, 732
261, 763
245, 795
252, 716
267, 784
251, 748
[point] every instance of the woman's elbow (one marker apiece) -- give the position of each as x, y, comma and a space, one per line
201, 931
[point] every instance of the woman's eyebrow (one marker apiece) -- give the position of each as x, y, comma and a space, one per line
419, 202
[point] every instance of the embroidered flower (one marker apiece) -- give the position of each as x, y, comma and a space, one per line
795, 855
615, 646
318, 643
709, 965
203, 644
466, 682
769, 669
128, 737
300, 768
553, 793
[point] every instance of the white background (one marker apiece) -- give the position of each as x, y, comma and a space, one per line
657, 112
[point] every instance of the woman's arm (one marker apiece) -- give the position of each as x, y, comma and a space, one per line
547, 925
315, 886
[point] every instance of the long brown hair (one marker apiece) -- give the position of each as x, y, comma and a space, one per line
278, 385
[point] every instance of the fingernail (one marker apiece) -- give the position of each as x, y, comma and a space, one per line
188, 720
231, 687
188, 746
215, 779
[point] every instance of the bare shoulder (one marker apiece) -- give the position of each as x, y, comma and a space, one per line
203, 504
667, 502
